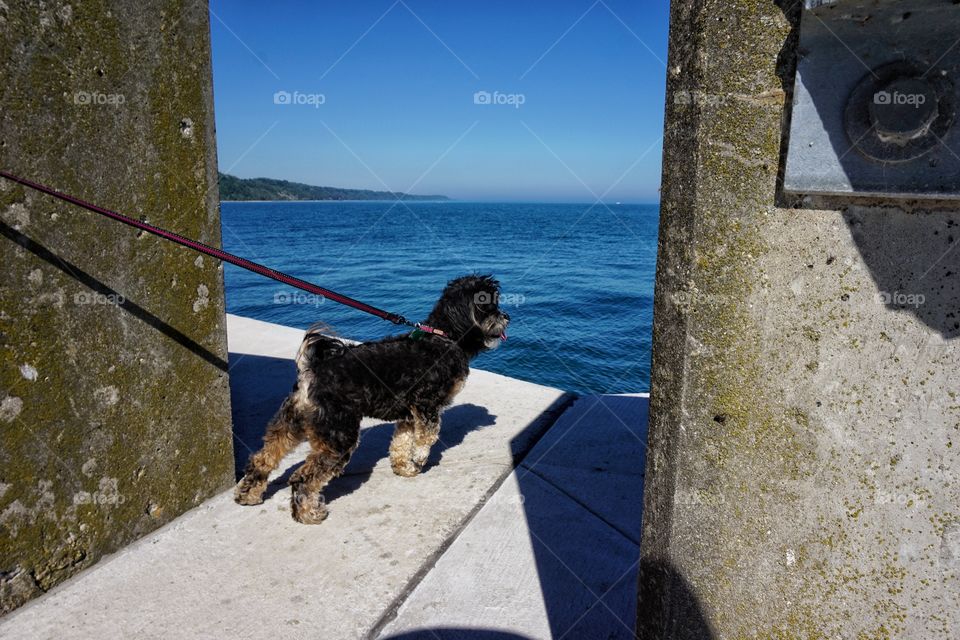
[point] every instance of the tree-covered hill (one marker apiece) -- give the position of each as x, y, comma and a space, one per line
234, 188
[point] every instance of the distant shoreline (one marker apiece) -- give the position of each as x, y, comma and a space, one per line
234, 189
447, 200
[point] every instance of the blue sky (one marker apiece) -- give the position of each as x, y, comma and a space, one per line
384, 95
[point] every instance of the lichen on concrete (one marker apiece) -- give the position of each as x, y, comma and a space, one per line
114, 404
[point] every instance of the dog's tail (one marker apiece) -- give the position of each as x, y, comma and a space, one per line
317, 345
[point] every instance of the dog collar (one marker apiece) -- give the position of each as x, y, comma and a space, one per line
422, 329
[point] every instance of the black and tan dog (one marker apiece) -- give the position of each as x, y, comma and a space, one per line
407, 379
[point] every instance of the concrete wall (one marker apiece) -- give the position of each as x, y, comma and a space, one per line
114, 404
803, 479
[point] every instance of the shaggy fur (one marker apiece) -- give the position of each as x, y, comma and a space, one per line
404, 379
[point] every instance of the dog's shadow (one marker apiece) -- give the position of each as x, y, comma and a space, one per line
456, 423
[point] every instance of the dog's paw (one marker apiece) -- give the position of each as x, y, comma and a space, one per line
313, 513
408, 470
247, 493
311, 516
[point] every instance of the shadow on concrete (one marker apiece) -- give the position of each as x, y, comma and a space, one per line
913, 260
786, 70
127, 305
456, 423
667, 606
582, 489
258, 384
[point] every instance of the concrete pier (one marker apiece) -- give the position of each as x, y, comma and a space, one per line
114, 401
802, 478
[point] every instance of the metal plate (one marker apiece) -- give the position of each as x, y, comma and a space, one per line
843, 45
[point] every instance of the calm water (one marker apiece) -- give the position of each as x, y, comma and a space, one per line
577, 282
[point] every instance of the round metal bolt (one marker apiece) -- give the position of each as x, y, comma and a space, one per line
903, 110
899, 111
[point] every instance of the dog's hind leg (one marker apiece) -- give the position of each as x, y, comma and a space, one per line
333, 442
278, 441
412, 441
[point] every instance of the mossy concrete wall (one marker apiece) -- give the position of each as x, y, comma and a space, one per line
114, 403
803, 480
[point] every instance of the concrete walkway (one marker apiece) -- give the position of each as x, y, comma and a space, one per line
552, 551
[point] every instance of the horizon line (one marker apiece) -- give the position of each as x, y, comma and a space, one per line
449, 200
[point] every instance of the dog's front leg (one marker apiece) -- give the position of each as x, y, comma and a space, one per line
412, 440
426, 432
401, 449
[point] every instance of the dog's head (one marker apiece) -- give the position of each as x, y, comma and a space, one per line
469, 312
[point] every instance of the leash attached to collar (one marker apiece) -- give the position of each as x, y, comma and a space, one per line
422, 330
219, 254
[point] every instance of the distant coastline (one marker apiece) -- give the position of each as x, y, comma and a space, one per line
234, 189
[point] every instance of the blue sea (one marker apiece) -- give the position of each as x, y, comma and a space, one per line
577, 280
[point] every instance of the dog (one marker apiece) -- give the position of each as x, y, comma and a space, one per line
407, 379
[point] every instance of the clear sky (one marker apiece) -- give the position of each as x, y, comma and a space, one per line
383, 94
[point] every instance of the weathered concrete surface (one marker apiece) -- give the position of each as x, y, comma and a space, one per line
114, 405
802, 479
554, 552
226, 571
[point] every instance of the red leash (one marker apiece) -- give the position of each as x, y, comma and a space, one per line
279, 276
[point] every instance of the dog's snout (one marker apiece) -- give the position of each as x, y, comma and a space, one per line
506, 316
